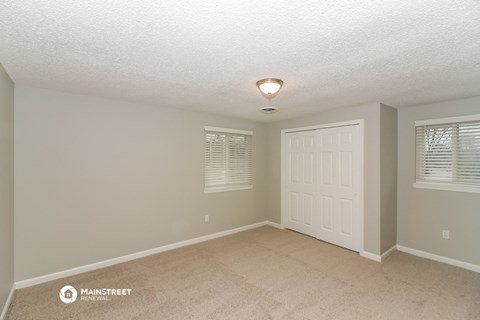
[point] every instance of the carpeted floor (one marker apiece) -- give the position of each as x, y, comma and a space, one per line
263, 273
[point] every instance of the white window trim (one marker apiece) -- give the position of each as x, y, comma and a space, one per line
447, 186
225, 188
474, 117
213, 189
228, 130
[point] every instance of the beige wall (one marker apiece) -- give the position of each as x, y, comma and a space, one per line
371, 114
97, 179
424, 213
388, 177
6, 186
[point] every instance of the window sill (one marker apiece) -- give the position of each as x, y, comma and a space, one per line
446, 187
224, 189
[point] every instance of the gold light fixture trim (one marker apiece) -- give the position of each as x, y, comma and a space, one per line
269, 87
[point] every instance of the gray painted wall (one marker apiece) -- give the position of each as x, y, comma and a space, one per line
6, 186
423, 213
111, 178
388, 177
97, 179
371, 114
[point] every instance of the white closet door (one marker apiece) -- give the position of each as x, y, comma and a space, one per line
338, 199
301, 184
322, 184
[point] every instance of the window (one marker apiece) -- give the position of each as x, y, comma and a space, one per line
228, 159
448, 154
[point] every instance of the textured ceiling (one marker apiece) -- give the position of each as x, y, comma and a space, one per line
207, 55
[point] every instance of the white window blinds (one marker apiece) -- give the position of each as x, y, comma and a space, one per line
228, 159
448, 152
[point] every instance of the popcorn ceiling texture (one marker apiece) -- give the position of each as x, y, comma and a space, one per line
207, 55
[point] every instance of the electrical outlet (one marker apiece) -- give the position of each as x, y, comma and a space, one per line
445, 234
207, 218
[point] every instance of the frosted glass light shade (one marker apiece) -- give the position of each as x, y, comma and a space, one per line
270, 87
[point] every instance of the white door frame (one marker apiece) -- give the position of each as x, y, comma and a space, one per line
360, 123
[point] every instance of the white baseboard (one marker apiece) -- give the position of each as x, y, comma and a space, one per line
376, 257
371, 256
7, 303
388, 252
106, 263
431, 256
275, 225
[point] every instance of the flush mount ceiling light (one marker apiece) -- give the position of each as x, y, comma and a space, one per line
269, 87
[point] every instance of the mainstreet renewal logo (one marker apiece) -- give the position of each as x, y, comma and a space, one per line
68, 294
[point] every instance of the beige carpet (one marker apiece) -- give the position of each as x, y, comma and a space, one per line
264, 273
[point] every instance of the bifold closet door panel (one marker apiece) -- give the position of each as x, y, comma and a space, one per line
301, 184
337, 188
